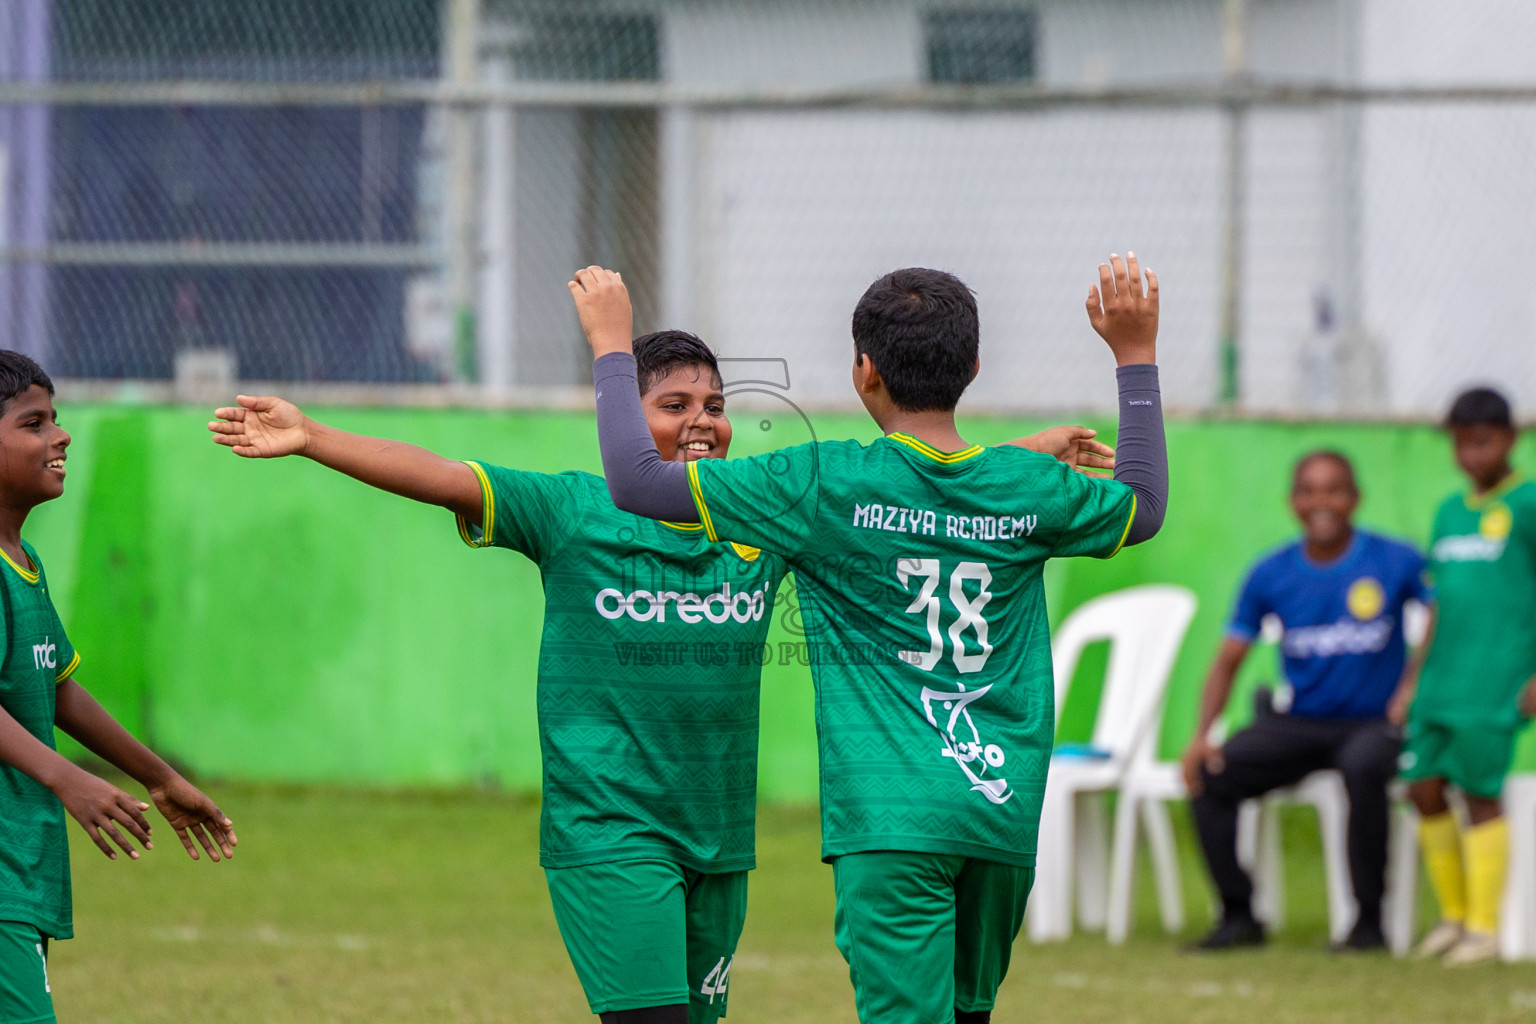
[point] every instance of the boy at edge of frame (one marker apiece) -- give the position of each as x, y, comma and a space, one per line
39, 692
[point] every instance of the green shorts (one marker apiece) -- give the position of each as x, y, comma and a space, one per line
926, 934
650, 933
1475, 758
25, 997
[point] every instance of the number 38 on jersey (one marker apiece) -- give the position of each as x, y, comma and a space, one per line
968, 595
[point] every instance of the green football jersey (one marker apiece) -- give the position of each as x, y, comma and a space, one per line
649, 671
34, 848
1483, 560
919, 575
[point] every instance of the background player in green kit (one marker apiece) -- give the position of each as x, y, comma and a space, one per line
1477, 687
918, 559
38, 693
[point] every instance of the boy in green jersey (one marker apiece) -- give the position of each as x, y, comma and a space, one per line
39, 693
649, 667
918, 560
1477, 686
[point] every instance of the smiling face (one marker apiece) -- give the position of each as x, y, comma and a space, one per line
1324, 498
32, 448
686, 413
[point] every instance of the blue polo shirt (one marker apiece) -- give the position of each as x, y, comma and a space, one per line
1342, 649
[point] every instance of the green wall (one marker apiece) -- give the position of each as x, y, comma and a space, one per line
276, 621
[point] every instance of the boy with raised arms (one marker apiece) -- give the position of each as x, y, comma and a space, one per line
38, 693
648, 735
1477, 687
918, 559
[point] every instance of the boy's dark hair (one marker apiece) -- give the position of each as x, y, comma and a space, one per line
658, 354
1480, 407
920, 328
1325, 455
17, 373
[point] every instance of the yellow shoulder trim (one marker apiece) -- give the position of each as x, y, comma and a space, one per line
69, 669
686, 527
946, 458
747, 551
487, 513
1127, 531
26, 574
697, 491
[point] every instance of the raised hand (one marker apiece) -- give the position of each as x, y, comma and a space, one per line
193, 815
602, 303
1122, 313
261, 428
100, 808
1072, 445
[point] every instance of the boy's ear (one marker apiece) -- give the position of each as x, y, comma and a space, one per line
975, 370
866, 376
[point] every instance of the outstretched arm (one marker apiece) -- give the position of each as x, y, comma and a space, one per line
269, 427
639, 480
1125, 316
188, 810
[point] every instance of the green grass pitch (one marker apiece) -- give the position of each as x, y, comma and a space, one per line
361, 907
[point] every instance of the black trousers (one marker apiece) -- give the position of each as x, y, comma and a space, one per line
1278, 750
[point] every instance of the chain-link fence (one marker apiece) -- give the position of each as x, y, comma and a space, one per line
394, 192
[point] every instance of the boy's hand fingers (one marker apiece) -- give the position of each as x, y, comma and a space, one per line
186, 840
1122, 281
226, 427
260, 403
202, 840
1133, 274
232, 413
1095, 308
132, 818
117, 837
100, 841
1091, 447
1152, 286
1106, 283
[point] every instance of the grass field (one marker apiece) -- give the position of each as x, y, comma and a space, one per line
345, 906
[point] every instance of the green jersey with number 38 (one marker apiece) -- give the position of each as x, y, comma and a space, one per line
919, 575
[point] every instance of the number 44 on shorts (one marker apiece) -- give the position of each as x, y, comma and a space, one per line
715, 981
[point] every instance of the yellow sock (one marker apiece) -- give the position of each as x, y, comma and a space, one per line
1441, 843
1487, 855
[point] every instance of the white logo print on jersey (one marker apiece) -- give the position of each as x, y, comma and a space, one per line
974, 758
45, 654
649, 606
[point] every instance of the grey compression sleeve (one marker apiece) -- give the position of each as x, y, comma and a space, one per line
1141, 450
638, 480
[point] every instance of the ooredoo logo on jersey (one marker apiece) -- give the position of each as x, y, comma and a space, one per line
724, 605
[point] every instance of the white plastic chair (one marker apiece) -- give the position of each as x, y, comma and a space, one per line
1517, 924
1145, 626
1258, 845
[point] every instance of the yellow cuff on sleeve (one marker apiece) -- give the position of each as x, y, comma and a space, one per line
487, 529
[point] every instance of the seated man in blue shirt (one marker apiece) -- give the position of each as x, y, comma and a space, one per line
1339, 594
